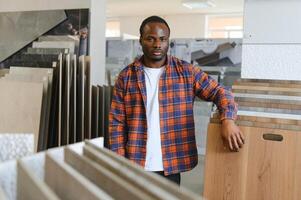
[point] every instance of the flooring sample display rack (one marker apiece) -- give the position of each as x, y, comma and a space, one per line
84, 170
268, 165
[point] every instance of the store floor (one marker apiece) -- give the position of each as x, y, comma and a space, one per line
194, 179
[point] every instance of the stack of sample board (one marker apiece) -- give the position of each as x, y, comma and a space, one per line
55, 103
22, 98
269, 164
84, 171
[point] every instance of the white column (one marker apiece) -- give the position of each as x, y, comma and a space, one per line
97, 41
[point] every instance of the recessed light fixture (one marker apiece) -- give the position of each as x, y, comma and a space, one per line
197, 4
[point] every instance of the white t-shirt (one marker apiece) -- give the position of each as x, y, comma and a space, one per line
154, 160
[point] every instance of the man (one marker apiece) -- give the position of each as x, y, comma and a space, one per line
151, 118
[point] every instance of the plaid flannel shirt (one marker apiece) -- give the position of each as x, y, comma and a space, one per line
179, 84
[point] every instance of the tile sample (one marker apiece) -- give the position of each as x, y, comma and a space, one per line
21, 28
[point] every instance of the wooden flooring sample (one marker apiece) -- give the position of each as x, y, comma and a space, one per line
276, 172
68, 184
29, 186
276, 105
268, 83
224, 176
265, 168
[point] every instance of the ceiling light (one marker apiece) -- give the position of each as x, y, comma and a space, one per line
197, 4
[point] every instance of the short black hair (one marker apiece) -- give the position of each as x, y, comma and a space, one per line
150, 19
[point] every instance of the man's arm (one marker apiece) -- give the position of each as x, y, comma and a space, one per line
117, 128
208, 89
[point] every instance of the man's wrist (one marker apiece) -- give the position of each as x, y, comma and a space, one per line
227, 121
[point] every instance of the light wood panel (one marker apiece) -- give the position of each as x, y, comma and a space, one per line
216, 119
268, 83
29, 186
101, 111
224, 170
262, 169
274, 174
68, 184
285, 105
266, 88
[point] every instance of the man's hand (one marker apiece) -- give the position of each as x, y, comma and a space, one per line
231, 135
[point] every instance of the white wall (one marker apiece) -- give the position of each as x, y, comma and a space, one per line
182, 26
272, 42
97, 25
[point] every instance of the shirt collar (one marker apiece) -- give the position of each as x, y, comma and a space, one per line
139, 66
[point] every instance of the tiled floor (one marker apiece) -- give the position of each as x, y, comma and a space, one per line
193, 180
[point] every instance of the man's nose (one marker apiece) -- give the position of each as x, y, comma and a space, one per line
157, 44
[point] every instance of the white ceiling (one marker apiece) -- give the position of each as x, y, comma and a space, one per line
119, 8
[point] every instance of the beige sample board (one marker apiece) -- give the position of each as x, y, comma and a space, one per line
68, 184
80, 132
267, 167
95, 112
73, 93
45, 76
3, 72
66, 87
88, 97
111, 183
2, 194
60, 99
148, 182
30, 186
20, 105
101, 128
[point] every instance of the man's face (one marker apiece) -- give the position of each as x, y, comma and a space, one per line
155, 41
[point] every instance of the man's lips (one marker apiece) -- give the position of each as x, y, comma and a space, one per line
157, 53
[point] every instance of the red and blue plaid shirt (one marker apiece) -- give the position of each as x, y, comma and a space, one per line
179, 84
